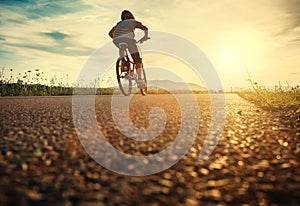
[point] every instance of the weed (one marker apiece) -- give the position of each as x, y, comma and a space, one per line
279, 97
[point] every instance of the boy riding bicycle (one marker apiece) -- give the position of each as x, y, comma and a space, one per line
123, 32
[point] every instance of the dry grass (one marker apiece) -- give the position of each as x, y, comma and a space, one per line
279, 97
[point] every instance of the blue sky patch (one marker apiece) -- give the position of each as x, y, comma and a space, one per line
55, 35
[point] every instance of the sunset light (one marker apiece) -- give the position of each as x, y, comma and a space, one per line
230, 59
158, 102
59, 41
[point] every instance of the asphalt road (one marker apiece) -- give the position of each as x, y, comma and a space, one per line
42, 162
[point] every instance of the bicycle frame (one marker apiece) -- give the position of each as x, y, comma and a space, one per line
125, 68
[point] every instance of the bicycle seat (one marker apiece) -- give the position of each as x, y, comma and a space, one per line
123, 45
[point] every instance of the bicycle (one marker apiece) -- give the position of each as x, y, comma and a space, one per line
126, 72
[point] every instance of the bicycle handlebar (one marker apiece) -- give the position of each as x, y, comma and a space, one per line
142, 40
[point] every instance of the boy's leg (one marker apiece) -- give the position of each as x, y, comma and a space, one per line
140, 82
138, 64
136, 57
139, 67
133, 50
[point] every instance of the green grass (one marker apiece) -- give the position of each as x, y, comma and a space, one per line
15, 89
33, 83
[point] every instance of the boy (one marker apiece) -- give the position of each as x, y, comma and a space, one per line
123, 32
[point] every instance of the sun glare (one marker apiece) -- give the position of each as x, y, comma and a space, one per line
229, 59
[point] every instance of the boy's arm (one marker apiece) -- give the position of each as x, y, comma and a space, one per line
111, 32
145, 29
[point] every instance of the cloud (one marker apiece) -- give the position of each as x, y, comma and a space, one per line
54, 8
15, 21
63, 49
2, 52
296, 40
292, 10
284, 21
45, 8
36, 20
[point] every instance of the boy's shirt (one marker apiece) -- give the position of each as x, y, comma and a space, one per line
126, 28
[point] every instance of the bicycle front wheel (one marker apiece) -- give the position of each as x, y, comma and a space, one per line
123, 77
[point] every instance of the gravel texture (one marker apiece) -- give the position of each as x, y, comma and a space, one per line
42, 162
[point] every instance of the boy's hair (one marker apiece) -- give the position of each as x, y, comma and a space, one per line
126, 15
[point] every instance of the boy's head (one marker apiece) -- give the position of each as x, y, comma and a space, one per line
126, 15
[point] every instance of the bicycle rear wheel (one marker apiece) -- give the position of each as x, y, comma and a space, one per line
123, 77
144, 79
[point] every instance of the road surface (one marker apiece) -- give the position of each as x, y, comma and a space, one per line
42, 162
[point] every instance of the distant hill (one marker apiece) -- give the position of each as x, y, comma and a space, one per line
170, 85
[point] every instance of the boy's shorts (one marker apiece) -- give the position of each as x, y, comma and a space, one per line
133, 50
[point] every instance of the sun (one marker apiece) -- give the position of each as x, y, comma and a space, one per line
229, 58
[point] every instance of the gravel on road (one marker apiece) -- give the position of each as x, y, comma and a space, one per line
42, 161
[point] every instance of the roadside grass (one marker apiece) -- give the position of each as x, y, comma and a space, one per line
33, 83
279, 97
15, 89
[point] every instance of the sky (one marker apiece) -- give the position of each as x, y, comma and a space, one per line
259, 37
